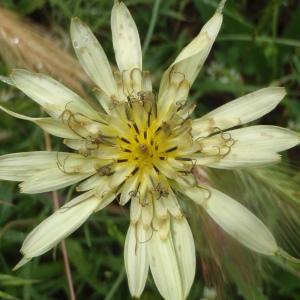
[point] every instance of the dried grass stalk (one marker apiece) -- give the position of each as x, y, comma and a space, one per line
25, 45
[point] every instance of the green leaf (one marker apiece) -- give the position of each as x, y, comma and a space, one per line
6, 296
9, 280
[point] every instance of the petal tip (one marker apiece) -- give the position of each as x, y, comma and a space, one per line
280, 92
221, 6
76, 21
21, 263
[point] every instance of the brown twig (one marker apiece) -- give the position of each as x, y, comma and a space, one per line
65, 253
63, 244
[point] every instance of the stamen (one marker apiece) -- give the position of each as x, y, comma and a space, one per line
148, 119
121, 160
136, 128
134, 171
171, 149
125, 140
155, 168
183, 158
158, 129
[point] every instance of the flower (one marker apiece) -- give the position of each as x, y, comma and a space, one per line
144, 148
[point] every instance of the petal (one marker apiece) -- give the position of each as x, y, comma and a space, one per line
107, 197
49, 125
265, 138
192, 57
239, 111
237, 221
54, 97
252, 146
172, 205
122, 172
129, 187
92, 57
164, 267
59, 225
93, 182
243, 159
176, 93
136, 260
20, 166
185, 252
126, 40
135, 210
69, 169
160, 209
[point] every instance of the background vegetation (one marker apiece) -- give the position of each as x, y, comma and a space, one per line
259, 45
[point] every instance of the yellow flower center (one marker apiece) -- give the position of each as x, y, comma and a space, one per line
146, 140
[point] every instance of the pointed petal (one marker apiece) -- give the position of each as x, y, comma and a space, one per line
239, 111
136, 260
21, 263
58, 226
54, 97
92, 57
164, 267
237, 221
49, 125
126, 38
192, 57
185, 252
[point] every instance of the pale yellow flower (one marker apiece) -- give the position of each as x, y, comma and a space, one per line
142, 147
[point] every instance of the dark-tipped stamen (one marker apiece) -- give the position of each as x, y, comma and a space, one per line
134, 171
125, 140
171, 149
122, 160
136, 128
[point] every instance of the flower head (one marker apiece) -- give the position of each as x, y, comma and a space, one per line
144, 147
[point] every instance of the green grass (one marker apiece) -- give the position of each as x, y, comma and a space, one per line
259, 44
